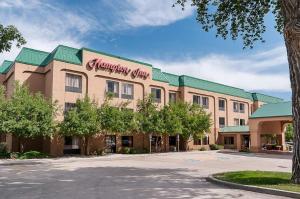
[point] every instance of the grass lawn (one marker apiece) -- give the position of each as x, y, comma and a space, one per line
269, 179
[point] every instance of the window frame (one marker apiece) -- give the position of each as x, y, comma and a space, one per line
242, 123
70, 88
154, 94
124, 95
116, 95
129, 140
206, 106
174, 95
230, 139
242, 110
222, 108
222, 125
198, 99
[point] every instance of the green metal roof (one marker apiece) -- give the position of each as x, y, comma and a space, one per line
273, 110
157, 75
234, 129
174, 80
265, 98
32, 57
214, 87
6, 65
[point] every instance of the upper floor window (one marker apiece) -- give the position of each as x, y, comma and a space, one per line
127, 91
203, 101
197, 99
235, 107
172, 97
238, 107
73, 83
242, 122
242, 108
156, 93
112, 87
236, 122
221, 105
221, 122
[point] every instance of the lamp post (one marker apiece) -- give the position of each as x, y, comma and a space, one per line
177, 141
150, 139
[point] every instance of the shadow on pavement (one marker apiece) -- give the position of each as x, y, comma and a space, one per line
258, 155
111, 183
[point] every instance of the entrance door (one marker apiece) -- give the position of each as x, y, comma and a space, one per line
110, 144
246, 141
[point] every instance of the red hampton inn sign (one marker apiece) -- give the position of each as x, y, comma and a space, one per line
98, 64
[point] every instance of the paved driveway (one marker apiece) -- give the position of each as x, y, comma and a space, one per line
156, 176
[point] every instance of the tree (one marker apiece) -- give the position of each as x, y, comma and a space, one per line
246, 20
194, 120
3, 111
29, 115
81, 121
8, 36
150, 120
289, 133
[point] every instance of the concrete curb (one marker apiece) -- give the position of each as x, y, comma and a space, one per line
253, 188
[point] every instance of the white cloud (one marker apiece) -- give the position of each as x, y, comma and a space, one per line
154, 12
45, 26
242, 71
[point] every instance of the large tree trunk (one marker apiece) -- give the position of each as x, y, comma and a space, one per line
291, 15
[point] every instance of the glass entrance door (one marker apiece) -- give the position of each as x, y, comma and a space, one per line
110, 144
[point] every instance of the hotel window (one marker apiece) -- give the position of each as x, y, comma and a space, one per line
127, 141
172, 97
73, 83
68, 107
112, 87
242, 122
229, 140
197, 99
235, 107
127, 91
197, 141
205, 102
156, 94
221, 122
236, 122
221, 105
242, 108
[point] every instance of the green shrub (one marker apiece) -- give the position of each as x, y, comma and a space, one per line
215, 147
202, 149
14, 155
3, 150
129, 150
126, 150
32, 155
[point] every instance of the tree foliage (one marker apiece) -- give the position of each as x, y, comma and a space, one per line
149, 117
8, 36
289, 133
29, 115
3, 111
236, 18
82, 120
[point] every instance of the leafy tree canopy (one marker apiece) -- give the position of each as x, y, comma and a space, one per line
236, 18
29, 115
8, 36
82, 120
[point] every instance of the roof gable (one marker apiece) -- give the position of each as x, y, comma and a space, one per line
265, 98
6, 65
273, 110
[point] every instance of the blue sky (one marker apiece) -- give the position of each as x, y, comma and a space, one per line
154, 32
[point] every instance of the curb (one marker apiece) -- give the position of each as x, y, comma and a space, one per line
253, 188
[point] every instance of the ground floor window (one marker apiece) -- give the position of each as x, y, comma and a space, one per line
197, 141
205, 140
172, 140
127, 141
229, 140
71, 145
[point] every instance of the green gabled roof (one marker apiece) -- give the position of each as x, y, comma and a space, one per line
67, 54
6, 65
157, 75
265, 98
174, 80
32, 57
234, 129
273, 110
214, 87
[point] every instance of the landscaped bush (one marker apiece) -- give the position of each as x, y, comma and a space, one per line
129, 150
32, 155
126, 150
3, 150
215, 147
202, 149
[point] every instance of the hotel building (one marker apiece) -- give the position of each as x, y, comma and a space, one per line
66, 74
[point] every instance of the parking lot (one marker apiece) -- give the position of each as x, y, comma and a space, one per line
155, 176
